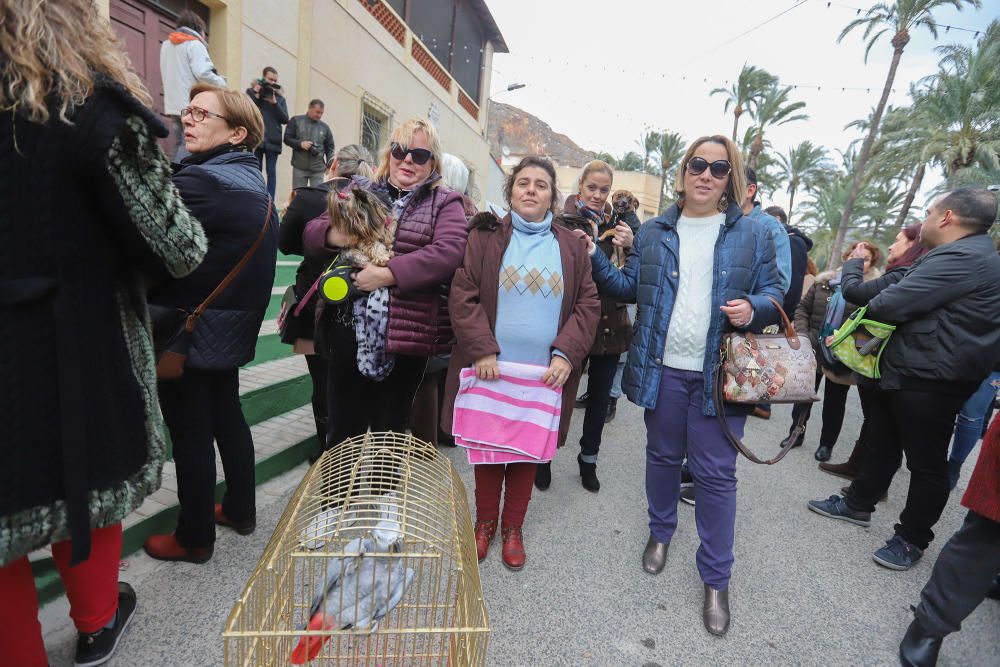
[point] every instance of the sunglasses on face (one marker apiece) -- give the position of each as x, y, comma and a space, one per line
718, 169
419, 155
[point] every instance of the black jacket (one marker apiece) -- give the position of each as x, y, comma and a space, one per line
309, 202
275, 115
946, 308
800, 245
226, 194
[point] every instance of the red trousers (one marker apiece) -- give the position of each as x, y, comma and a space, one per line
91, 587
490, 478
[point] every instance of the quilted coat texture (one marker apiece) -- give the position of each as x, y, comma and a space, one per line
227, 195
745, 268
89, 212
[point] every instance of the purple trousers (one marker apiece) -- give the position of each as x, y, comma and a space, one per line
675, 428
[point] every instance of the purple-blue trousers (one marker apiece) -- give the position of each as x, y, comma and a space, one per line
675, 428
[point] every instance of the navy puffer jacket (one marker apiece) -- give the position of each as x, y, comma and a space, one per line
226, 193
745, 268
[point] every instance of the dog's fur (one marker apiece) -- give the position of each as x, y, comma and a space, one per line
622, 202
367, 222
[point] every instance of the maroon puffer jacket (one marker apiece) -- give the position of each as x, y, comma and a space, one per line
430, 245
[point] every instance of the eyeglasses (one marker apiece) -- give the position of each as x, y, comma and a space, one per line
419, 155
198, 114
719, 169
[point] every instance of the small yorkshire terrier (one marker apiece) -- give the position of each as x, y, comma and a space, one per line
362, 226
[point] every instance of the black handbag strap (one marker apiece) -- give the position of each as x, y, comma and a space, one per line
192, 319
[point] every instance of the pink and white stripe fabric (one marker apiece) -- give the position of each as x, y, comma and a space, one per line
514, 419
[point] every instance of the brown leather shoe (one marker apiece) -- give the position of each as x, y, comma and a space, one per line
850, 468
715, 613
654, 556
513, 547
166, 547
242, 527
485, 530
762, 413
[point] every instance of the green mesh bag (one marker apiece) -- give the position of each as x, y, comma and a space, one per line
858, 343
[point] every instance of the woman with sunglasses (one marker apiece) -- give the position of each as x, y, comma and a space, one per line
696, 271
221, 184
430, 243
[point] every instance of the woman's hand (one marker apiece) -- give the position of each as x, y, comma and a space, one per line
558, 372
739, 312
828, 340
860, 251
372, 277
624, 238
487, 368
580, 234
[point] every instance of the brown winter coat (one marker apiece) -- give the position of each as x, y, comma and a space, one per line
811, 312
473, 308
614, 330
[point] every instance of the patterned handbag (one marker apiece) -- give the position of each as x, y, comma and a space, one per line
858, 343
762, 368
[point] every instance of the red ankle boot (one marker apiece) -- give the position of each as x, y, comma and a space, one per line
166, 547
242, 527
513, 547
485, 530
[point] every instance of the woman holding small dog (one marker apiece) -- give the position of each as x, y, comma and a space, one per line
430, 236
703, 268
589, 210
502, 310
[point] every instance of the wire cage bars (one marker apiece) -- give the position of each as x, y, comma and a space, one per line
373, 563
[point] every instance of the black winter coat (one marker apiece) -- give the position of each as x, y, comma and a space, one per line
275, 115
226, 194
945, 308
799, 244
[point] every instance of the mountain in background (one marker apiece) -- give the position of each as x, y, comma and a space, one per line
524, 134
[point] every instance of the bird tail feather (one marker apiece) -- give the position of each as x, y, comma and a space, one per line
309, 647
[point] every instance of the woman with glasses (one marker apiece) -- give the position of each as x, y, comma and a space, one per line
430, 241
223, 188
696, 271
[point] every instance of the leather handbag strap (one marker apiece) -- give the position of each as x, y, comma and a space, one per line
797, 429
233, 272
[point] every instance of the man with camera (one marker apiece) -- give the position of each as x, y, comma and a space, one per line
266, 94
311, 141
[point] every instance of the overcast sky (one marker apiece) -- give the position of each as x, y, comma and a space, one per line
601, 72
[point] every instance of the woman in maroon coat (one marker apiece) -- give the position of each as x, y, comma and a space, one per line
563, 324
966, 569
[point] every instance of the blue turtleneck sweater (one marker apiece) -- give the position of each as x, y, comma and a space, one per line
531, 293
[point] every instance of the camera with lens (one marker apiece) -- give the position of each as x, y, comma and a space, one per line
315, 149
267, 89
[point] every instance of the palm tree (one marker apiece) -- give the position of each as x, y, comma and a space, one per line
648, 141
898, 19
748, 87
804, 166
630, 161
771, 110
670, 150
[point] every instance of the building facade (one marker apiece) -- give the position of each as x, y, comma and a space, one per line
374, 63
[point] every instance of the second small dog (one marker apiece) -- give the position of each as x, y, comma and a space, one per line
362, 226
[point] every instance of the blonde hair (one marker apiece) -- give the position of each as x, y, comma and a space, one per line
50, 53
595, 166
238, 109
403, 135
354, 160
736, 189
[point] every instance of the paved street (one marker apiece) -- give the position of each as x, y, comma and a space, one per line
804, 592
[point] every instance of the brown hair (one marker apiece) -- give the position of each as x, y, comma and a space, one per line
239, 111
50, 53
872, 248
532, 161
403, 135
359, 214
736, 189
811, 267
595, 166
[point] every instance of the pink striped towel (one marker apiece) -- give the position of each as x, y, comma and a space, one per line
511, 420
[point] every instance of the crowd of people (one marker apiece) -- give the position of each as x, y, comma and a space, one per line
139, 261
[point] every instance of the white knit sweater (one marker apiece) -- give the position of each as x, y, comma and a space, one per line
692, 313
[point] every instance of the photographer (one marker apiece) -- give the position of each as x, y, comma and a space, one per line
311, 141
266, 94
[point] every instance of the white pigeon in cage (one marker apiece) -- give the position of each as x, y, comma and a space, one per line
359, 590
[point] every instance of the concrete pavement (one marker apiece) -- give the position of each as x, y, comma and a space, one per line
804, 592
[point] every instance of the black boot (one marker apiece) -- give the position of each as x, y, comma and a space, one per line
918, 649
582, 400
994, 592
588, 471
543, 475
612, 409
798, 441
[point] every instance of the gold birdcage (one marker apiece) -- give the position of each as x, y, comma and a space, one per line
372, 563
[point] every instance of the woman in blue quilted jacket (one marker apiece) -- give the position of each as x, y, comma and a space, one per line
221, 184
697, 271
